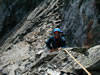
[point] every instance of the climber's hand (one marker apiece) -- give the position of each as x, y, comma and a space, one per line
52, 50
59, 48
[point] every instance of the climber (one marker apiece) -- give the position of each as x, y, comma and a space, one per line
57, 41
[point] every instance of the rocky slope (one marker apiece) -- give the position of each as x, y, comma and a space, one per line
24, 51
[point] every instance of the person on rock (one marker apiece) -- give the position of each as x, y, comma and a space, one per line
57, 41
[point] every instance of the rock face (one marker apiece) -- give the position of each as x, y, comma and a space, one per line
26, 61
23, 50
14, 12
81, 22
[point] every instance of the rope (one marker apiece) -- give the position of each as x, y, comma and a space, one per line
78, 62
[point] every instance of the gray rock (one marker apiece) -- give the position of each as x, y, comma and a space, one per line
24, 52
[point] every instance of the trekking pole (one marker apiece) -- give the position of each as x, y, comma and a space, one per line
78, 62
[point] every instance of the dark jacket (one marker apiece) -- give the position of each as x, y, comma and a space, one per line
53, 43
